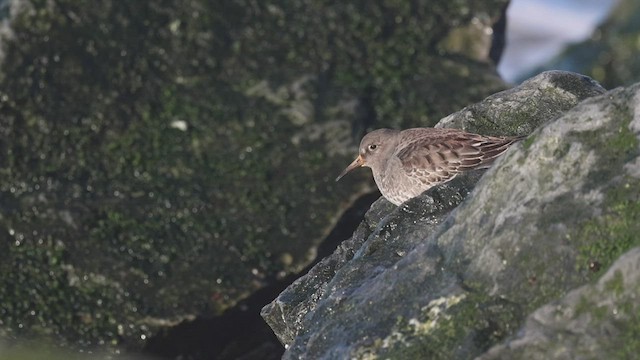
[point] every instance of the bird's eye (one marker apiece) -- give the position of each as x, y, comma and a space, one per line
372, 147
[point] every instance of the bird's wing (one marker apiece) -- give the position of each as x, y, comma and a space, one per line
439, 157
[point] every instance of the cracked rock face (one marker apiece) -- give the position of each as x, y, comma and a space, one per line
450, 275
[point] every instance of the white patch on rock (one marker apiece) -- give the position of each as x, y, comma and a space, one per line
633, 168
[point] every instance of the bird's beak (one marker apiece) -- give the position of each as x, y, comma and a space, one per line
358, 162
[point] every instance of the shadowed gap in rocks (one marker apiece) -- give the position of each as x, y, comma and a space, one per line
241, 332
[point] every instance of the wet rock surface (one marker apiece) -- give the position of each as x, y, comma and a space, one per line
551, 216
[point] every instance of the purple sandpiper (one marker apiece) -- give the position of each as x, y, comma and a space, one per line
406, 163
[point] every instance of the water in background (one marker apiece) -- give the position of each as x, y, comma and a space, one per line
538, 30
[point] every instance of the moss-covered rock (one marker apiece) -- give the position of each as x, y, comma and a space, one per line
600, 320
161, 160
551, 216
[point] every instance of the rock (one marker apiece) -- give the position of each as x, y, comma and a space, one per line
524, 108
606, 55
554, 210
147, 183
364, 253
601, 320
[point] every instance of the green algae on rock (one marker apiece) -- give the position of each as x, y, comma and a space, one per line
164, 159
598, 320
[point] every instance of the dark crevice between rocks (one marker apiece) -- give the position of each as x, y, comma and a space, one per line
241, 333
499, 38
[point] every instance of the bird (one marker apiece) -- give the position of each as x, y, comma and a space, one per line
405, 163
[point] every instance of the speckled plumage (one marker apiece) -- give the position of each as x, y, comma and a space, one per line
406, 163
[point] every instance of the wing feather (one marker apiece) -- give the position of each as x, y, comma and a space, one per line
440, 154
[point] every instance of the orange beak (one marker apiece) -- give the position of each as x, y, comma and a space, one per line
358, 162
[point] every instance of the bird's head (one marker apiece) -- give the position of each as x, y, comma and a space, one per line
374, 150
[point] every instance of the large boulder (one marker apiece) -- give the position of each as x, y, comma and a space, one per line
161, 160
601, 320
551, 216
